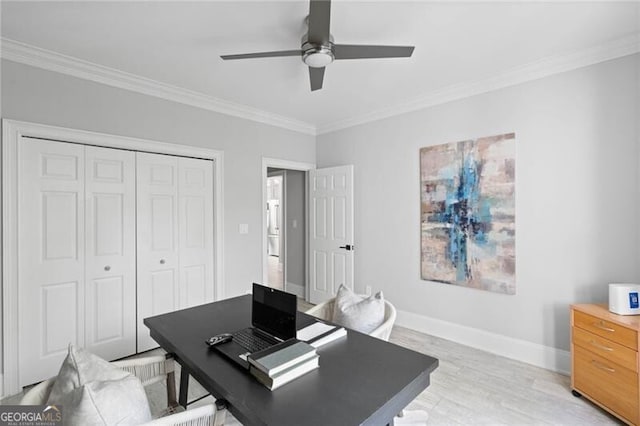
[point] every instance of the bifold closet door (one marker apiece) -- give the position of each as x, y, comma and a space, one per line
76, 256
175, 236
157, 245
195, 230
51, 290
110, 272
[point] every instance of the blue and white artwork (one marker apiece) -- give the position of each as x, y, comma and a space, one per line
468, 231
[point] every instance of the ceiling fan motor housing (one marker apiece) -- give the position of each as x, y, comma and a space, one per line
317, 56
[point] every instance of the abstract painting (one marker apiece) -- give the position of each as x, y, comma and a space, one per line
467, 213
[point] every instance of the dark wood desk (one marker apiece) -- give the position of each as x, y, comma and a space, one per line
361, 380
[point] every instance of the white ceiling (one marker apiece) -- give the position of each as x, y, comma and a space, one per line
179, 43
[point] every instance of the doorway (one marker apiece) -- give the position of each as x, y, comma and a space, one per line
285, 225
275, 233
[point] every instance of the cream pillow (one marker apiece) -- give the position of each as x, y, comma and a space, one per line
94, 392
363, 314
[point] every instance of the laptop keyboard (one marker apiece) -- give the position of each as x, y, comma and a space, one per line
249, 339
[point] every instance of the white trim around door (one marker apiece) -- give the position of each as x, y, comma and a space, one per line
12, 132
287, 165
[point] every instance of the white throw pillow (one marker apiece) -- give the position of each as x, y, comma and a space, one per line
108, 402
94, 392
359, 313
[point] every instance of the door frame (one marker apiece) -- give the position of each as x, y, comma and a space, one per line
12, 132
277, 163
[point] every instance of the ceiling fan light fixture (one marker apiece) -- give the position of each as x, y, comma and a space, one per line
318, 57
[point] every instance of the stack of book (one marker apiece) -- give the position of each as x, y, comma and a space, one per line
280, 364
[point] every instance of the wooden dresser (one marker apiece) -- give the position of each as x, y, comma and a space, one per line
604, 359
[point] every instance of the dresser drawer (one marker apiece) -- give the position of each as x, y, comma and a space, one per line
611, 331
609, 384
614, 352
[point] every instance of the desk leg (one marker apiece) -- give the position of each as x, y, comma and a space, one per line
184, 387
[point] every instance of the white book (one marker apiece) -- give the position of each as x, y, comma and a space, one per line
285, 376
319, 334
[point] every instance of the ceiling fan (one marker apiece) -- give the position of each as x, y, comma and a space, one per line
318, 49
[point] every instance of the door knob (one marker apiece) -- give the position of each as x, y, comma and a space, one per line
107, 268
348, 247
162, 262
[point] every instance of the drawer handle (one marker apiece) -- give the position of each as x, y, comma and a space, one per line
599, 346
602, 366
601, 326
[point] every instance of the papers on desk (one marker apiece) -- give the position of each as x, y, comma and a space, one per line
319, 334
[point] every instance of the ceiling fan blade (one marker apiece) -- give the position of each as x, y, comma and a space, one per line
363, 51
319, 21
263, 54
316, 75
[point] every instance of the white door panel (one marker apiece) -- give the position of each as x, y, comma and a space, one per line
110, 277
59, 326
157, 240
164, 288
105, 297
195, 189
331, 231
51, 255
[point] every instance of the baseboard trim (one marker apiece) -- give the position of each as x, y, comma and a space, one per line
553, 359
296, 289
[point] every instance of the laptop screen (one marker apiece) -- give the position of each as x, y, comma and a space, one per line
274, 311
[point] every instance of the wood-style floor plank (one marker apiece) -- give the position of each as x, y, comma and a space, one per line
471, 386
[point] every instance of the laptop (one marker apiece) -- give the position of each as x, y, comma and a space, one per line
273, 320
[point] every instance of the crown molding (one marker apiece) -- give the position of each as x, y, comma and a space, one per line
52, 61
46, 59
532, 71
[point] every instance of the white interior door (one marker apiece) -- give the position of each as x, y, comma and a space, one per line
195, 230
110, 272
330, 231
51, 290
157, 237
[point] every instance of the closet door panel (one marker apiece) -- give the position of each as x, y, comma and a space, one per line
110, 252
195, 190
157, 239
50, 255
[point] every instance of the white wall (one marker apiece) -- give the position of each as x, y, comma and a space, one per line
577, 199
32, 94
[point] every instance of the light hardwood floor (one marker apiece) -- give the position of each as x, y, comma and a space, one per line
469, 387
